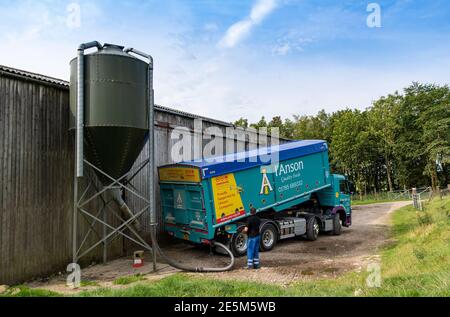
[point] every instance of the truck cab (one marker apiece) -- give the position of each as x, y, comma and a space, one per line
337, 198
343, 195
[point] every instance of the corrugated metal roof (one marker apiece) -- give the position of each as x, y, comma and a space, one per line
190, 115
39, 77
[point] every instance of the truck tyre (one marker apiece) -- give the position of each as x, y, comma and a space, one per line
238, 244
337, 226
269, 238
312, 229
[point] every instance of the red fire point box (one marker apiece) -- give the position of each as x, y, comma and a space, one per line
138, 259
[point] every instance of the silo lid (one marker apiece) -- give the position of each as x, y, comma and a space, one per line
112, 49
114, 46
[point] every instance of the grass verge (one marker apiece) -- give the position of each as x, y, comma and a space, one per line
24, 291
125, 280
415, 263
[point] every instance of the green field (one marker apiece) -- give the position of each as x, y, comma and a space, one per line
416, 263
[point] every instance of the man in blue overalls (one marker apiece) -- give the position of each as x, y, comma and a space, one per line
254, 238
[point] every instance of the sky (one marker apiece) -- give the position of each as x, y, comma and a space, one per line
245, 58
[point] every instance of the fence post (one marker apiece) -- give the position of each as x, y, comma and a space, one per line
415, 198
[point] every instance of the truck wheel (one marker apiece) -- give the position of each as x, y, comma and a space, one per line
269, 237
238, 244
337, 226
312, 229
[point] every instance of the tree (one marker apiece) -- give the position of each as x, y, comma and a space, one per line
402, 140
243, 123
260, 124
383, 128
435, 122
312, 127
352, 148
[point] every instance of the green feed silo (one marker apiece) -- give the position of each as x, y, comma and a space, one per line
111, 103
115, 108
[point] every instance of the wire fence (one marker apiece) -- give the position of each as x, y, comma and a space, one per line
416, 195
419, 196
397, 195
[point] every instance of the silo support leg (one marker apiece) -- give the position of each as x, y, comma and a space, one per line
114, 230
130, 227
105, 233
109, 232
91, 229
115, 183
153, 234
75, 222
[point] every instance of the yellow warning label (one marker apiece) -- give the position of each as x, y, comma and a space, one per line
179, 174
227, 200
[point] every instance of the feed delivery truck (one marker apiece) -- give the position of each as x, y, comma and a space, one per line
295, 195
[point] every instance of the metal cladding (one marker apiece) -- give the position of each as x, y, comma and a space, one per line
116, 108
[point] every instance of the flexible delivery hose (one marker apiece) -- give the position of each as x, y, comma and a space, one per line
198, 268
124, 207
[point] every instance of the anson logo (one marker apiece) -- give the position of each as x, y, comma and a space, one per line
266, 187
284, 169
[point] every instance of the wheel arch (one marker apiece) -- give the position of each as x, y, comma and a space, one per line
341, 212
272, 222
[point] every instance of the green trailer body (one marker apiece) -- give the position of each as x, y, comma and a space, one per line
203, 201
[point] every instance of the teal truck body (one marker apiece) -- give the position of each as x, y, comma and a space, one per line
295, 195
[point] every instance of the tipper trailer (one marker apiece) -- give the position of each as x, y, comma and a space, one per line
295, 195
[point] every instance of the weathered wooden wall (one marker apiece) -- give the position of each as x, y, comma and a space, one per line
36, 179
36, 176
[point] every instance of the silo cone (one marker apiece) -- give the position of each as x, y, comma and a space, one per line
115, 111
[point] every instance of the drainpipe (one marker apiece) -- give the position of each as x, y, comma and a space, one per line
79, 139
151, 146
80, 107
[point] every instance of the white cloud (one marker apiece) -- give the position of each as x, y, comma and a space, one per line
241, 29
262, 9
291, 41
282, 49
